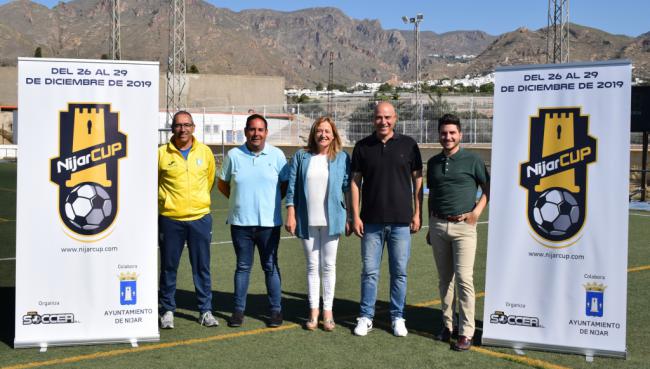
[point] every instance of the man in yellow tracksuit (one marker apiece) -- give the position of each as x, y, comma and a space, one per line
186, 172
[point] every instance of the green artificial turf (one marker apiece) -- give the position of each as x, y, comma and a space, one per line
255, 346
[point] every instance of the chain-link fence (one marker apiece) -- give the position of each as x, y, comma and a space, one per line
7, 127
636, 138
289, 124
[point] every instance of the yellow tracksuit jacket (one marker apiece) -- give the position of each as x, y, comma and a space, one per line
184, 185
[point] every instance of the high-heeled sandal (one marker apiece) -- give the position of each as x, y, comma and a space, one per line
311, 324
328, 325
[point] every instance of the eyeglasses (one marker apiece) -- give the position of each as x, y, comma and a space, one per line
184, 125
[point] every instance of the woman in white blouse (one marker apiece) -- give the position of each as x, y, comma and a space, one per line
317, 198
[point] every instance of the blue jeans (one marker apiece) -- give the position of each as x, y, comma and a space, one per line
244, 239
398, 240
172, 236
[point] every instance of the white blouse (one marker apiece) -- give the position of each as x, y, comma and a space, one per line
317, 178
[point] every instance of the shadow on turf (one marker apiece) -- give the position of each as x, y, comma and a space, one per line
295, 309
257, 306
422, 321
7, 314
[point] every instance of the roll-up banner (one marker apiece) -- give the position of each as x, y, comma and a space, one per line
558, 234
86, 202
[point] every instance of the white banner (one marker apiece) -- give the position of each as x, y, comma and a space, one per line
86, 243
557, 244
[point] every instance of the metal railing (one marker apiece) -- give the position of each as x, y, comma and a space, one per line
289, 124
9, 152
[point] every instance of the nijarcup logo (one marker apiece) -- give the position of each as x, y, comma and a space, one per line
86, 170
555, 175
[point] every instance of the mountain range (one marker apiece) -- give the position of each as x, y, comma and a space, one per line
295, 44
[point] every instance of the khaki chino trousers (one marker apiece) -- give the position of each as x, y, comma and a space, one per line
454, 249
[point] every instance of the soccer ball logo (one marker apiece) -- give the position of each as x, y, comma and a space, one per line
87, 206
555, 211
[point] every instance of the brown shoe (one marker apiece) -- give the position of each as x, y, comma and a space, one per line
236, 319
463, 344
275, 320
444, 335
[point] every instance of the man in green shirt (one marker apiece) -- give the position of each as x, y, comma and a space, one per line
453, 177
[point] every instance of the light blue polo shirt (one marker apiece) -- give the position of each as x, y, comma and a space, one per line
254, 179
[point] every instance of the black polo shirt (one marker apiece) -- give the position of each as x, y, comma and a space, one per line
453, 182
386, 190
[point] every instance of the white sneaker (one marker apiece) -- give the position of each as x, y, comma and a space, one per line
364, 325
208, 320
399, 328
167, 320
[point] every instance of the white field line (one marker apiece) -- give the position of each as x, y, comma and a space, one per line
292, 237
230, 241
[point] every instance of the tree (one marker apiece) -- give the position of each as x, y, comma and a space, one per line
302, 99
104, 57
426, 87
307, 107
193, 69
38, 53
361, 88
487, 88
385, 87
319, 86
438, 106
336, 86
380, 96
404, 89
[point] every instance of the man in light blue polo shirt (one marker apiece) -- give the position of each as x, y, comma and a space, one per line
254, 179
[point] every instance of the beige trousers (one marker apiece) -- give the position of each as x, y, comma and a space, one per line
454, 249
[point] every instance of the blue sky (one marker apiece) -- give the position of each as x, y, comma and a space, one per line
629, 17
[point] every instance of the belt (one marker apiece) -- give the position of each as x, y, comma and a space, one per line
449, 218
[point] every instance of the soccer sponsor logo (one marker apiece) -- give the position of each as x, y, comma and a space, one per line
594, 299
555, 175
86, 170
500, 317
33, 318
128, 288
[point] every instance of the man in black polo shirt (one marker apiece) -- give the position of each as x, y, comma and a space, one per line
453, 177
387, 173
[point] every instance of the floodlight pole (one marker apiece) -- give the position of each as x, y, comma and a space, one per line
644, 165
116, 49
330, 82
557, 32
176, 60
416, 22
417, 63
